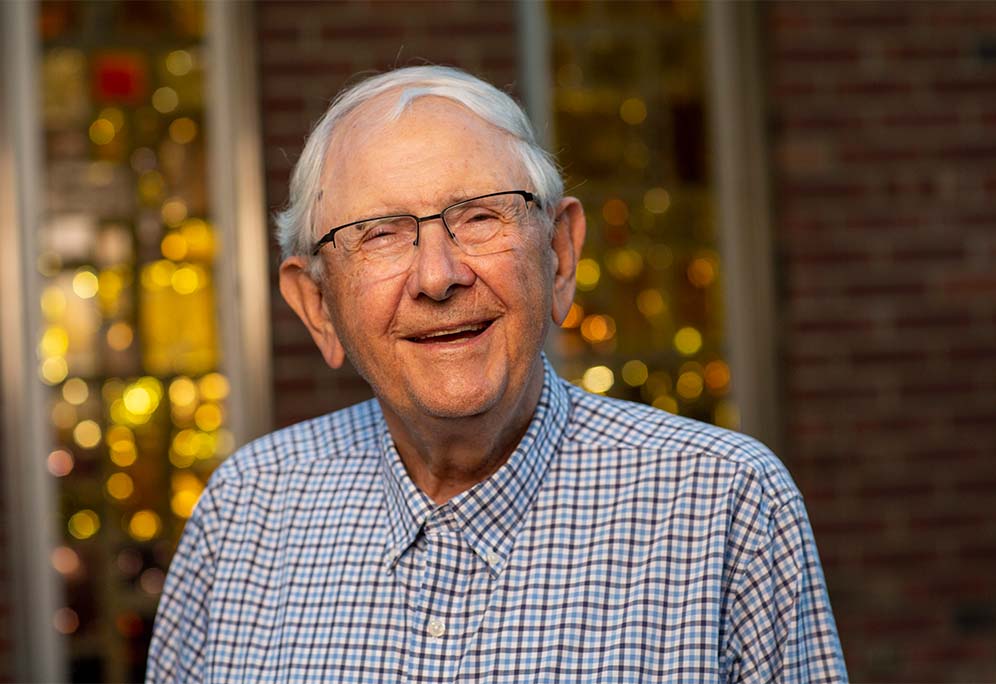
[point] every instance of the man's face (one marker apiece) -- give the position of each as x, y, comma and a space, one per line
497, 306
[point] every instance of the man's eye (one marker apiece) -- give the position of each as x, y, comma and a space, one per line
478, 216
377, 232
381, 233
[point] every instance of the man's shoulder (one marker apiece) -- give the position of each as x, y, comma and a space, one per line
329, 441
599, 422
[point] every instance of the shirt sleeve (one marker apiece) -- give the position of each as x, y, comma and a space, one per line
179, 636
781, 628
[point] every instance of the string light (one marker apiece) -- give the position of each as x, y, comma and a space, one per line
60, 463
587, 274
84, 524
598, 379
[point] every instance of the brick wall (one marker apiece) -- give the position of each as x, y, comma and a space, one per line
884, 174
307, 51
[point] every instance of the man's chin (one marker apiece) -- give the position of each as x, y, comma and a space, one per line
442, 404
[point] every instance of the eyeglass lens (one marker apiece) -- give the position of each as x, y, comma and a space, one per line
477, 226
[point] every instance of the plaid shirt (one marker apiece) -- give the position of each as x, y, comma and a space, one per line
618, 543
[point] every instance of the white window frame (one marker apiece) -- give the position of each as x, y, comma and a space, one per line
241, 277
745, 232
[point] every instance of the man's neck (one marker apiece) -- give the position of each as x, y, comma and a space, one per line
447, 456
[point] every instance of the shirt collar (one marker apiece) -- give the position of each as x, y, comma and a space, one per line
491, 512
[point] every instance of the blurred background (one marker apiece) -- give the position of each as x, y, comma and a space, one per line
792, 233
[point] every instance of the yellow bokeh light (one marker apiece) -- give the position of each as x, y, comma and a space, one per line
598, 328
101, 132
635, 373
650, 302
165, 100
181, 460
123, 453
75, 391
625, 263
185, 280
65, 560
657, 200
151, 385
120, 336
114, 115
137, 400
119, 414
54, 341
200, 240
717, 376
615, 212
186, 443
574, 316
658, 383
688, 341
144, 525
208, 417
689, 385
84, 524
598, 379
110, 282
174, 246
53, 303
666, 403
54, 370
85, 284
179, 62
120, 486
182, 391
151, 186
119, 434
183, 502
60, 463
206, 445
158, 274
183, 130
587, 274
214, 386
173, 211
633, 111
701, 272
87, 434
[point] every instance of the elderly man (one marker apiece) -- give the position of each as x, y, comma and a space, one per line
481, 520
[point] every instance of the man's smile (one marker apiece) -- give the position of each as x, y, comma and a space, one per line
451, 333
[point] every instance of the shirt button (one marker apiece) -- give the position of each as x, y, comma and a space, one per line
493, 559
436, 628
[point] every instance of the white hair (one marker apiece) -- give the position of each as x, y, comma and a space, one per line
295, 229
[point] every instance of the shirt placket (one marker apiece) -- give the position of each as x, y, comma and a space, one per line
443, 610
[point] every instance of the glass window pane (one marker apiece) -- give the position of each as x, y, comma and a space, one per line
130, 347
630, 125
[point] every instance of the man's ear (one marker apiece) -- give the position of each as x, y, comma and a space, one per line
305, 296
568, 238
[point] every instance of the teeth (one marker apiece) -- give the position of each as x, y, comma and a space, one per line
453, 331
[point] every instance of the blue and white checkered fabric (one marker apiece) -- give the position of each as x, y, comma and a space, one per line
618, 544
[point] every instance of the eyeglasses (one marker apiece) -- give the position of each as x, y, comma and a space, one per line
476, 225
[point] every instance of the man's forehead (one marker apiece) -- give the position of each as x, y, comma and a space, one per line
386, 153
392, 113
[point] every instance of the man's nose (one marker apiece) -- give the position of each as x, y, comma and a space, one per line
438, 268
